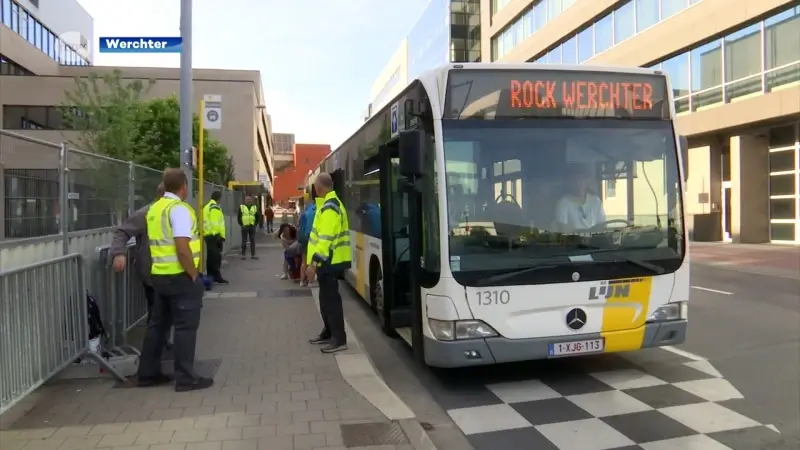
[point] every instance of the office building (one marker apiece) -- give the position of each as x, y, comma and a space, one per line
38, 67
45, 44
283, 150
734, 66
446, 31
291, 180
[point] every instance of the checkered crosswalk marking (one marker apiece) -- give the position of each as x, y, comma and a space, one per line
659, 407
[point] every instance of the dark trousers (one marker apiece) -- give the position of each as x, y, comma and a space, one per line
249, 234
330, 307
150, 298
270, 226
178, 303
214, 256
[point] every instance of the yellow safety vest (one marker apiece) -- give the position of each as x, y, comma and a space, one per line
330, 235
213, 220
248, 215
162, 244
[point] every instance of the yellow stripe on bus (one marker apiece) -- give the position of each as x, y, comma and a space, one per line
625, 313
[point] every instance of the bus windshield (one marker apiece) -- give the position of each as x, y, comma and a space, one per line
560, 193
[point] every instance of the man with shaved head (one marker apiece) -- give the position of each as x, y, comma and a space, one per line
328, 257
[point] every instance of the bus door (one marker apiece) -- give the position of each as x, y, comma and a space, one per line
394, 206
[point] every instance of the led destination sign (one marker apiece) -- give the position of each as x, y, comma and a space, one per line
512, 94
550, 94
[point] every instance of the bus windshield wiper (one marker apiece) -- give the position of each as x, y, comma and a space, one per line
655, 268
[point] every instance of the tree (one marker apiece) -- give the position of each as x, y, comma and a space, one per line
157, 140
103, 109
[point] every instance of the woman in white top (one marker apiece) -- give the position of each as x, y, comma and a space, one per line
580, 209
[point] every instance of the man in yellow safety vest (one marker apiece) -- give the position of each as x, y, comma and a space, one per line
174, 240
248, 220
328, 257
214, 234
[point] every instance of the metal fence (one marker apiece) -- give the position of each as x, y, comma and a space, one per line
58, 200
60, 208
44, 325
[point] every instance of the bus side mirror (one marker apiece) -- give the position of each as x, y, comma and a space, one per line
411, 148
683, 146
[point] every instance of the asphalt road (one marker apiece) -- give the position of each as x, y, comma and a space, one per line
747, 326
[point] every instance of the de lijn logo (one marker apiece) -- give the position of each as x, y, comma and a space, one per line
140, 44
78, 42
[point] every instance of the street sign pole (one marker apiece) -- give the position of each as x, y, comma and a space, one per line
210, 119
201, 181
186, 112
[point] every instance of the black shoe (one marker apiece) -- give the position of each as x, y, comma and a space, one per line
319, 340
200, 383
156, 380
243, 257
221, 281
333, 348
253, 257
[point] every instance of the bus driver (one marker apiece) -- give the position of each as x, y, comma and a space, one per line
580, 209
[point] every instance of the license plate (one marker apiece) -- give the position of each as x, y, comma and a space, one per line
577, 347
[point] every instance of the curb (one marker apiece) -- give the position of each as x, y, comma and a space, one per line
359, 372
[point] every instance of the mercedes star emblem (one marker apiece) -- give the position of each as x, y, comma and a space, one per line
576, 276
576, 319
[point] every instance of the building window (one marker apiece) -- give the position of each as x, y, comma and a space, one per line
585, 45
18, 117
671, 7
26, 25
646, 14
604, 34
743, 59
782, 53
9, 67
706, 64
624, 22
5, 12
569, 51
677, 69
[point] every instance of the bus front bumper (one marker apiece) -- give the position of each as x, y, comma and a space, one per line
496, 350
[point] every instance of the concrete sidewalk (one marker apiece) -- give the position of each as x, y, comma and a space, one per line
273, 390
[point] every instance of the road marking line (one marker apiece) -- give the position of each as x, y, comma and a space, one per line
705, 367
683, 353
773, 428
716, 291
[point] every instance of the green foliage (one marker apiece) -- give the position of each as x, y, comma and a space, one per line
158, 141
103, 109
113, 119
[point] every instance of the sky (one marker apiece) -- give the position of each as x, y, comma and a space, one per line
318, 60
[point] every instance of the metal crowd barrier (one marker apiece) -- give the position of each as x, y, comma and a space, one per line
121, 300
43, 325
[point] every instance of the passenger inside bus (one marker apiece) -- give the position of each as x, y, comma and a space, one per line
580, 208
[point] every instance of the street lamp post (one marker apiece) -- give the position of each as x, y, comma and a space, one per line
186, 94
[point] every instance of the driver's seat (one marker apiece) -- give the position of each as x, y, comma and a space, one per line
508, 218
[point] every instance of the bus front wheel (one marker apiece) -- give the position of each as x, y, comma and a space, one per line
378, 301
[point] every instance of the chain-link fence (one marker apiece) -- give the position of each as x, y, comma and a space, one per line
59, 200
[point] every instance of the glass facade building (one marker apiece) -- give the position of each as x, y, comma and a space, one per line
736, 85
21, 21
447, 31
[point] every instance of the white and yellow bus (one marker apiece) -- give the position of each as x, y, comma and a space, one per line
510, 212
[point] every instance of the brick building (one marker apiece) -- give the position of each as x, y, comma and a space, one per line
290, 181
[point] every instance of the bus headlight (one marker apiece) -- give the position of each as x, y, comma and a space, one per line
670, 311
451, 330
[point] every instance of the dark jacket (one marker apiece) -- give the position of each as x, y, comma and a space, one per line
135, 227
